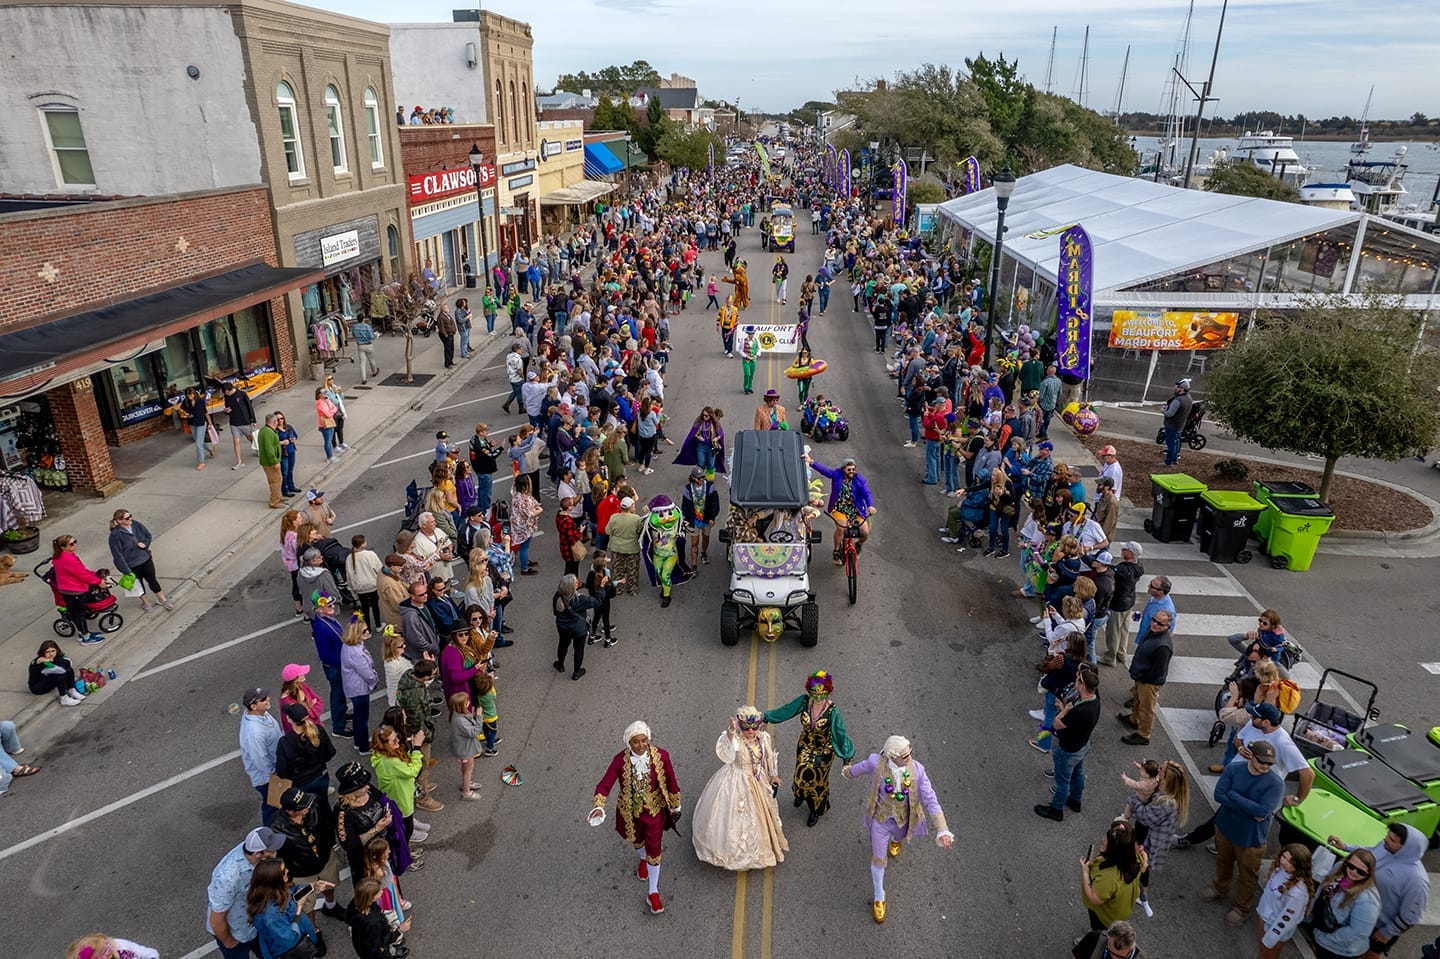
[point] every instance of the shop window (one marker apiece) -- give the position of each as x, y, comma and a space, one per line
67, 143
372, 128
177, 364
515, 114
289, 131
220, 350
335, 127
137, 390
252, 336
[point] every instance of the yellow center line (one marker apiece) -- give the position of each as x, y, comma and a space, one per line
768, 897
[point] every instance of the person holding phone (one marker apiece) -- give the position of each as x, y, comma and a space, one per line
279, 913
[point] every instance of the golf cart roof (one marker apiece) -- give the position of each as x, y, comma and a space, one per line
768, 470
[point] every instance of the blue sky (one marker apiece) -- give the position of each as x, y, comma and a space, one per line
1317, 57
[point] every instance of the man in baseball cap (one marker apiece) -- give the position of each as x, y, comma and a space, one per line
1177, 413
1249, 793
229, 918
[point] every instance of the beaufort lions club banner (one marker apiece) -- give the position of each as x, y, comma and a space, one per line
772, 339
1072, 328
1171, 330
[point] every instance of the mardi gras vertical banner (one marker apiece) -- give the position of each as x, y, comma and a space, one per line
845, 171
972, 175
897, 203
710, 167
1072, 327
832, 166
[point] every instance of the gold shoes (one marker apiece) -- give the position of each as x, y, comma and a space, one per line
878, 908
894, 849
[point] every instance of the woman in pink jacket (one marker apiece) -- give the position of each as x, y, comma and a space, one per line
325, 413
73, 580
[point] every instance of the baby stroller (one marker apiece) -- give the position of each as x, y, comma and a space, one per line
1290, 655
336, 553
99, 603
1190, 434
822, 420
415, 496
975, 516
425, 319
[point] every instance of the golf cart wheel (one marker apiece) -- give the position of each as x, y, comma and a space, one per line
844, 434
729, 623
1244, 556
809, 624
1149, 526
63, 628
110, 622
1217, 731
1279, 562
1196, 442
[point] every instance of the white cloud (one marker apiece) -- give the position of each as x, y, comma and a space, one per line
1316, 57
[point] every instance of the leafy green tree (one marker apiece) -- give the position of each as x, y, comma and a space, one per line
1004, 92
689, 148
614, 116
1331, 379
924, 191
614, 81
1240, 177
656, 126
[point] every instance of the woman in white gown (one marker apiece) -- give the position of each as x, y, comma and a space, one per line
737, 821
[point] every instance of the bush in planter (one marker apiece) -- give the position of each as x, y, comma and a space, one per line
1232, 468
22, 539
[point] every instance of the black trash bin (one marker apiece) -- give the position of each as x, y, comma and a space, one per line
1225, 521
1177, 497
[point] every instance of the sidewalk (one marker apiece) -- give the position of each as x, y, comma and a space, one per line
208, 525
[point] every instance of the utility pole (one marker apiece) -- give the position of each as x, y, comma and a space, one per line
1050, 67
1204, 97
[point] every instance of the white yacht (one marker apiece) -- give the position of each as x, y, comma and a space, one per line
1425, 221
1377, 184
1275, 154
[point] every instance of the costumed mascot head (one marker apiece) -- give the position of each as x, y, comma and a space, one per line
664, 514
769, 623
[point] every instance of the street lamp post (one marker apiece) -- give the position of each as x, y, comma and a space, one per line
1004, 183
477, 160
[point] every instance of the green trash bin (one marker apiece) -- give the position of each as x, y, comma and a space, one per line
1225, 521
1367, 782
1177, 498
1324, 814
1297, 525
1266, 490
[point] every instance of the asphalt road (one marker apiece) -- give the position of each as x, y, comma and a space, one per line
935, 650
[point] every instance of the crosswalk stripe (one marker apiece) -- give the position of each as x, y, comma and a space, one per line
1206, 671
1188, 725
1213, 624
1164, 551
1431, 916
1203, 586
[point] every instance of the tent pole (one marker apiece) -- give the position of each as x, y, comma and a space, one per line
1150, 374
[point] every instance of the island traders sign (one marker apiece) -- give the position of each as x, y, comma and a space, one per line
1072, 328
425, 187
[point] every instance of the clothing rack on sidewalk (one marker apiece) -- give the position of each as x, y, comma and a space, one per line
331, 336
21, 501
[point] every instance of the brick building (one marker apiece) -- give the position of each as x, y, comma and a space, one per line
444, 227
113, 307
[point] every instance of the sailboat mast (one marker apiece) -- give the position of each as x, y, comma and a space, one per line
1120, 94
1080, 92
1204, 98
1050, 67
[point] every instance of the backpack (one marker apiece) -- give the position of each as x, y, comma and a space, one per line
1289, 699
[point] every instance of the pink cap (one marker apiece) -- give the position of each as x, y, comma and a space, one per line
293, 671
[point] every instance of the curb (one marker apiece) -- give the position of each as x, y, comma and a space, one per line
1409, 537
213, 575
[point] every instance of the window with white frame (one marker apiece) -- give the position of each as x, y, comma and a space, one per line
335, 126
290, 131
67, 144
372, 128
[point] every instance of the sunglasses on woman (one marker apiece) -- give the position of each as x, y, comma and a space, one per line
1356, 870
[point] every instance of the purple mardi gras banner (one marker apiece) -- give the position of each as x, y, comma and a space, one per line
972, 175
844, 183
897, 203
832, 165
710, 167
1072, 327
